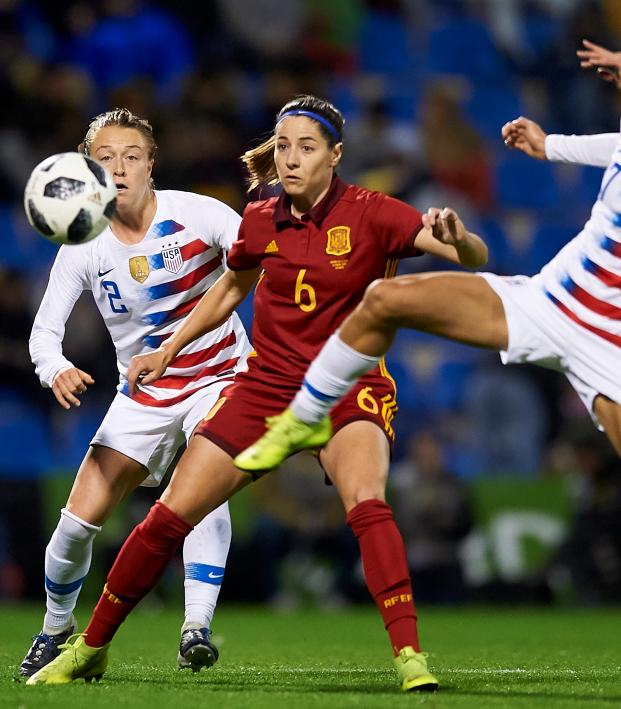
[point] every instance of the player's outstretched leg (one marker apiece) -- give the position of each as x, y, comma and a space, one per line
196, 649
76, 661
413, 671
286, 434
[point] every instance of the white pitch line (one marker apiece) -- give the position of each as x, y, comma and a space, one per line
518, 670
551, 671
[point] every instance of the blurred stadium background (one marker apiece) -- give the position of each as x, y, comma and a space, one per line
502, 489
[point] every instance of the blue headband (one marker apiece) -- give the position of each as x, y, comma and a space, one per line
315, 116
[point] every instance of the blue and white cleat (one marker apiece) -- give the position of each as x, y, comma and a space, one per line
196, 649
44, 649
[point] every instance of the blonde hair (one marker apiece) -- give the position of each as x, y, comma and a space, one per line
123, 118
259, 161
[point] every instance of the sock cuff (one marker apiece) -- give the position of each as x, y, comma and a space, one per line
168, 521
349, 352
367, 513
78, 520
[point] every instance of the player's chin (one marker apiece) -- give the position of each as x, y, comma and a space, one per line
293, 187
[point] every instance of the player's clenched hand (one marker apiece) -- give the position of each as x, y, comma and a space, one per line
607, 63
445, 226
69, 384
146, 368
525, 135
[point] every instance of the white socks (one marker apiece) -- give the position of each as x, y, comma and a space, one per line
330, 376
67, 561
204, 558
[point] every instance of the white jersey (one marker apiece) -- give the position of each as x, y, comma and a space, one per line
143, 291
584, 279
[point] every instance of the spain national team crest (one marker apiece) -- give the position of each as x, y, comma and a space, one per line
139, 268
338, 241
173, 260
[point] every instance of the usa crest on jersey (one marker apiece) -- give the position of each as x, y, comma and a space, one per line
173, 260
338, 241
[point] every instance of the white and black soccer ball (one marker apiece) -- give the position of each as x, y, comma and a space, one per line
69, 198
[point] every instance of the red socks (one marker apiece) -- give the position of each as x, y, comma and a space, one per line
137, 568
385, 570
152, 544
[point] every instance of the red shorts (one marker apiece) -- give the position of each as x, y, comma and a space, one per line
237, 419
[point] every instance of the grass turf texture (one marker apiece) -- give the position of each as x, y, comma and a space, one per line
483, 658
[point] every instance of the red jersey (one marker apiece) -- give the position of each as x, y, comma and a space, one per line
316, 269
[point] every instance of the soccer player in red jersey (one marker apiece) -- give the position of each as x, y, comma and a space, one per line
567, 317
314, 250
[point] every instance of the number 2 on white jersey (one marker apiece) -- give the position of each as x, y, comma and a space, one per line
114, 295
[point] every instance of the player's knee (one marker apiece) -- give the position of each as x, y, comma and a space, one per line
364, 494
380, 301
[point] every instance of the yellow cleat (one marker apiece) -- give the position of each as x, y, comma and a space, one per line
77, 660
285, 435
413, 672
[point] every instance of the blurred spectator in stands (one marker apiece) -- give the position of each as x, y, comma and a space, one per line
23, 24
454, 152
16, 370
612, 12
132, 39
524, 30
298, 549
434, 513
196, 155
24, 446
331, 34
591, 553
383, 153
267, 29
580, 105
21, 535
507, 418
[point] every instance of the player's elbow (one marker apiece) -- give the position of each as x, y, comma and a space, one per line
480, 257
474, 253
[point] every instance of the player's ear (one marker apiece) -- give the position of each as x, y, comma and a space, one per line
337, 154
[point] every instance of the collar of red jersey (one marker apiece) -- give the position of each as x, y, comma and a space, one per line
282, 210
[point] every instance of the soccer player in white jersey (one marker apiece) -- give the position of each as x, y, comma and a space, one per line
567, 317
161, 252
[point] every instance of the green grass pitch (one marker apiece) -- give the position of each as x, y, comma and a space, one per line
483, 657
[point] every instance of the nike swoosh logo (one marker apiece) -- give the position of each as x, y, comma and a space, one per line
211, 575
100, 274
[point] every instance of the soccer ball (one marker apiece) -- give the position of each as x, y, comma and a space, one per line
69, 198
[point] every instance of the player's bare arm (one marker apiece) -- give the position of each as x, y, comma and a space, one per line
214, 308
606, 63
68, 384
444, 235
527, 136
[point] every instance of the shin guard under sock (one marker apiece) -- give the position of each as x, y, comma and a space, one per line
385, 570
137, 568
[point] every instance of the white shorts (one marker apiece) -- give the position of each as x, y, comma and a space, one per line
152, 435
541, 334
